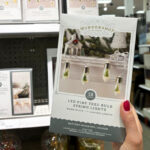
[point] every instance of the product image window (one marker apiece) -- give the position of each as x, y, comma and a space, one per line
99, 63
21, 93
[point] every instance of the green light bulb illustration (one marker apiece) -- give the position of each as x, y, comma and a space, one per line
106, 73
117, 86
66, 70
85, 75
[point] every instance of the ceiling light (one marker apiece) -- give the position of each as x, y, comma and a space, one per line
140, 12
104, 1
105, 8
122, 7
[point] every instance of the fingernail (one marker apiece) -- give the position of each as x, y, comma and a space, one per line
126, 105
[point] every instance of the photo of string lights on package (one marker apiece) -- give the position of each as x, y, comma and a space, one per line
8, 3
96, 63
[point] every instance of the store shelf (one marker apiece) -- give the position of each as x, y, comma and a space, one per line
29, 28
30, 121
144, 87
139, 112
144, 45
143, 117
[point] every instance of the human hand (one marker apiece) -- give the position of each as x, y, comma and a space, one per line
134, 138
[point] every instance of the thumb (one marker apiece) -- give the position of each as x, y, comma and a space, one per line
133, 136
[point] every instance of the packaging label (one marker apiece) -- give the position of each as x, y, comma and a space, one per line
93, 76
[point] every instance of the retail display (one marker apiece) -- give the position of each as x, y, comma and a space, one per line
16, 92
93, 76
10, 10
52, 141
82, 7
40, 10
90, 144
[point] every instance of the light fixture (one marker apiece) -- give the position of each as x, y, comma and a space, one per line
106, 72
122, 7
66, 70
140, 12
104, 1
85, 75
117, 86
105, 7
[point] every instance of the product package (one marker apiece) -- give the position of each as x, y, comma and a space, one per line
10, 10
5, 94
93, 76
51, 62
16, 92
88, 7
40, 10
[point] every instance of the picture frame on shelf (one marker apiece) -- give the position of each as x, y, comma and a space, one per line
22, 92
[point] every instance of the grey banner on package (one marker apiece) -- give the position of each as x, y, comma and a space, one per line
76, 128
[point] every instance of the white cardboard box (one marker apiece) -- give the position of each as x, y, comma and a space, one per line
93, 76
5, 94
85, 7
37, 11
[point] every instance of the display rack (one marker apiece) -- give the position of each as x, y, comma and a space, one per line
142, 117
30, 53
140, 113
144, 87
7, 29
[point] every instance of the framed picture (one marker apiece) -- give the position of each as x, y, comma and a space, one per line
51, 66
10, 10
22, 93
40, 10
